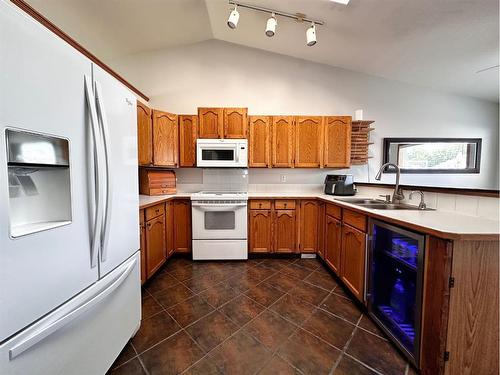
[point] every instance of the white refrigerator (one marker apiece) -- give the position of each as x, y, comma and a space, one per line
69, 262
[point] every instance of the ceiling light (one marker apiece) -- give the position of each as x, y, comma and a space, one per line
234, 17
311, 35
271, 25
344, 2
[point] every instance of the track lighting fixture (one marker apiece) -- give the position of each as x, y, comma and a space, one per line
234, 17
272, 21
311, 35
271, 25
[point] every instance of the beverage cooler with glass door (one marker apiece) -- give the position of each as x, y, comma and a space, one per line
395, 279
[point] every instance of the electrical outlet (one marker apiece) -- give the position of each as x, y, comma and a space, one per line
283, 178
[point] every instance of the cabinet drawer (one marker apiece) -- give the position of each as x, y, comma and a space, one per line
154, 211
284, 204
161, 191
355, 219
334, 211
260, 205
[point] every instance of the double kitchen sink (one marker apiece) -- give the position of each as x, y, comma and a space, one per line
378, 204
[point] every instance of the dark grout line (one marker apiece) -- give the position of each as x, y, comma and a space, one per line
241, 328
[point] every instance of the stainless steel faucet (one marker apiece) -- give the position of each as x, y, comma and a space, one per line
398, 192
421, 205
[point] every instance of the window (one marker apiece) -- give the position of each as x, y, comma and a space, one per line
433, 155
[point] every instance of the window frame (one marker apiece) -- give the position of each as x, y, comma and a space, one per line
477, 165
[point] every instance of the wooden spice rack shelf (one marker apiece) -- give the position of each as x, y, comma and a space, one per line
360, 141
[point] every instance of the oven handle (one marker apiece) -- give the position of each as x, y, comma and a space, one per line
208, 207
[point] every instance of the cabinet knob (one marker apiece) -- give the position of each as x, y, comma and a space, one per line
285, 204
260, 205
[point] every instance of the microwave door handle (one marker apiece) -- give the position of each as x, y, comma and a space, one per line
96, 202
103, 122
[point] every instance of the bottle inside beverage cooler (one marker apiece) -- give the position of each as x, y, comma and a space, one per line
394, 284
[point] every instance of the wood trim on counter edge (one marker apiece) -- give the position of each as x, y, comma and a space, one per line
72, 42
447, 190
401, 223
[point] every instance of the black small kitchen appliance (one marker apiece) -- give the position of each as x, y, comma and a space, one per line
339, 184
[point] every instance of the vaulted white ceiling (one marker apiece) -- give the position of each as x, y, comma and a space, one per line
439, 44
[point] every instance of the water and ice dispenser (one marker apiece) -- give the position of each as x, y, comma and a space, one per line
39, 182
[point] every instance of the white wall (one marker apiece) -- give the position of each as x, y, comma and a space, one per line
216, 73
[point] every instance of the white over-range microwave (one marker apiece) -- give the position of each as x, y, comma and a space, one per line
222, 153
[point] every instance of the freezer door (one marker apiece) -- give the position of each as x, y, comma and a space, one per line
117, 113
85, 335
42, 91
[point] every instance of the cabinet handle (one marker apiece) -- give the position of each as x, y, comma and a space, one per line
148, 225
285, 204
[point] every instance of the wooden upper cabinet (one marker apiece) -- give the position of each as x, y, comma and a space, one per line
144, 134
260, 231
235, 122
353, 260
285, 231
282, 140
308, 142
337, 153
182, 226
210, 123
259, 142
333, 243
188, 125
165, 139
309, 215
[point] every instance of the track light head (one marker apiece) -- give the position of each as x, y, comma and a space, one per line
234, 17
271, 25
311, 35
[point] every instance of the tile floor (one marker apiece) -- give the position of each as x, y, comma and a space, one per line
263, 316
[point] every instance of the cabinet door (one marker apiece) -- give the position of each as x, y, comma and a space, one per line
260, 231
309, 226
333, 243
210, 122
352, 259
235, 122
155, 242
285, 231
337, 152
259, 142
282, 140
142, 228
169, 228
144, 135
308, 142
321, 230
182, 226
165, 139
188, 125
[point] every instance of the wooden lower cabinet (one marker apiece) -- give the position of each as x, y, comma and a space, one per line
321, 230
169, 227
155, 242
182, 226
142, 236
285, 231
333, 243
352, 257
260, 231
309, 220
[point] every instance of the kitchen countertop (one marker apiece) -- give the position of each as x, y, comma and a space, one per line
443, 224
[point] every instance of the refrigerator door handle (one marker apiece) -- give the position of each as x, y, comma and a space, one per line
52, 326
96, 208
103, 122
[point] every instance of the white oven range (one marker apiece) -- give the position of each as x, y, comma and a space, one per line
219, 225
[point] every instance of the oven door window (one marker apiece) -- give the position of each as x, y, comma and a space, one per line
220, 220
215, 154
